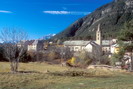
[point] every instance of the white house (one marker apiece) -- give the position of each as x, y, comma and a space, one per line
76, 45
93, 48
36, 45
32, 46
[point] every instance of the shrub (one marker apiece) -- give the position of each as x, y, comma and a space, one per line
72, 61
83, 59
105, 60
52, 55
73, 73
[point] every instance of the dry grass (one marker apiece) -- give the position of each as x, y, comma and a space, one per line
36, 78
32, 66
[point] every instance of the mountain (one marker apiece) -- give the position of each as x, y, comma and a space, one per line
111, 16
46, 37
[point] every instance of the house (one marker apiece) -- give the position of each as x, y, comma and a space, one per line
76, 45
21, 44
33, 45
36, 45
94, 48
79, 45
115, 48
106, 46
25, 43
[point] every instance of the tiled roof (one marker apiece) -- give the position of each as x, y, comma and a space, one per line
84, 43
76, 43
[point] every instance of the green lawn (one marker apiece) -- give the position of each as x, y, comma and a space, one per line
36, 78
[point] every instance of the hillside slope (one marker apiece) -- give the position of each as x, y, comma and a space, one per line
111, 16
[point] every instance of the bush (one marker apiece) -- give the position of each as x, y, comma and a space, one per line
72, 61
25, 57
73, 73
83, 59
43, 56
52, 55
115, 58
105, 60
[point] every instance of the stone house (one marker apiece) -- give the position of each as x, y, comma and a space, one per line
76, 45
25, 43
36, 45
79, 45
106, 46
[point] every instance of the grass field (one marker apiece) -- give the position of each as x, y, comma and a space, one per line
35, 77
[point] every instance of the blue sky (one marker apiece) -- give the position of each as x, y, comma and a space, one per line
42, 17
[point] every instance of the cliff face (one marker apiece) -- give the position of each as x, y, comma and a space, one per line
111, 16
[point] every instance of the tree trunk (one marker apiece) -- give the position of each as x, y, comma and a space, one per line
131, 64
14, 66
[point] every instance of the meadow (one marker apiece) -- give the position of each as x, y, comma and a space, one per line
47, 76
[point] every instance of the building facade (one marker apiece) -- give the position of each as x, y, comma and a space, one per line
99, 36
90, 46
36, 45
76, 45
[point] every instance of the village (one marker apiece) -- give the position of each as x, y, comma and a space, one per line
98, 48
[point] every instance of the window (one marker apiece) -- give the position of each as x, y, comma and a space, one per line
76, 47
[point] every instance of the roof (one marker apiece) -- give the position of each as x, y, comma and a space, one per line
76, 43
20, 43
29, 42
35, 42
94, 43
105, 42
115, 45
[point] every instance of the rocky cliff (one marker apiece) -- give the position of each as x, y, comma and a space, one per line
111, 16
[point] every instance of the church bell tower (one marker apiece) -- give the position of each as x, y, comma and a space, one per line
99, 36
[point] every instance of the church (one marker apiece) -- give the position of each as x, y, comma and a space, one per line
105, 44
90, 46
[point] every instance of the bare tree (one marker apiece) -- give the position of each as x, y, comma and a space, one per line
65, 53
11, 37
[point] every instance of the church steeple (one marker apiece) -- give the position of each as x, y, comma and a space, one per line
99, 36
